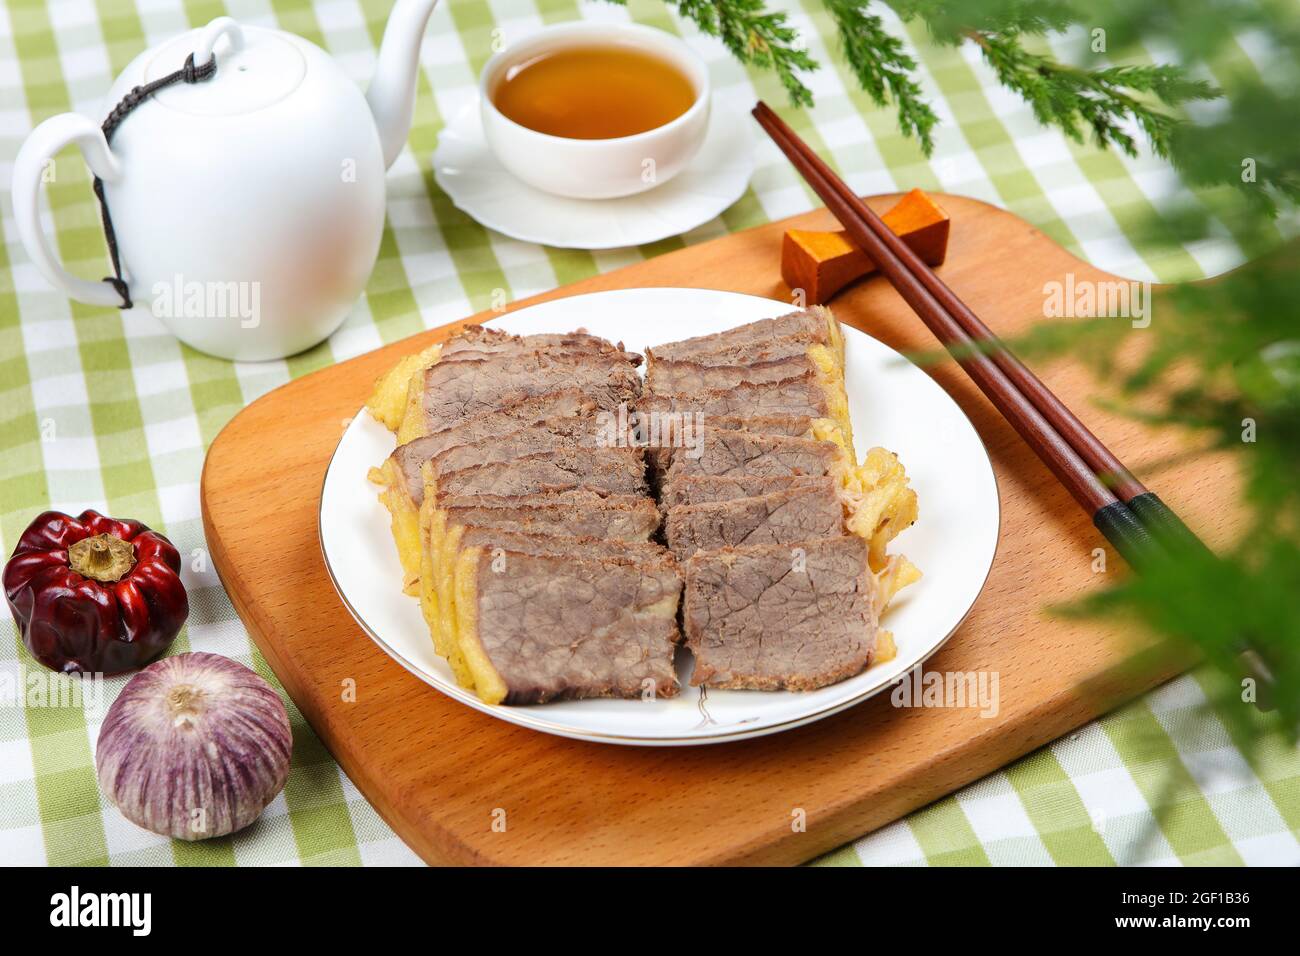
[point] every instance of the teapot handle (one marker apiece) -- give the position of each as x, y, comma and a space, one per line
34, 159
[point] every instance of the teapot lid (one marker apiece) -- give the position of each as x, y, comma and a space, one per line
255, 68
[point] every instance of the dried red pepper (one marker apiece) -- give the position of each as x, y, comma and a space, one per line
93, 594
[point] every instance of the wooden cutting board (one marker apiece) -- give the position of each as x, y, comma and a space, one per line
442, 774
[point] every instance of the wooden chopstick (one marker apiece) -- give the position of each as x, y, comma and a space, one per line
1158, 518
1120, 525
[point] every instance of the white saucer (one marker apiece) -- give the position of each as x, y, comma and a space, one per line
481, 187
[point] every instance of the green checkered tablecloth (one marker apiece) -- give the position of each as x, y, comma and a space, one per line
103, 409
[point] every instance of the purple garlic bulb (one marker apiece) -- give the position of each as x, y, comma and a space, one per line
195, 746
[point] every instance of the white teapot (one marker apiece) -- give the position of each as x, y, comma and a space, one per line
247, 206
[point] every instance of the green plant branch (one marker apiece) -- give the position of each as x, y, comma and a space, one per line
1070, 97
883, 68
755, 36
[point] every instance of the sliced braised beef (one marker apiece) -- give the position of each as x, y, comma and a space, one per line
702, 489
745, 353
565, 403
521, 541
811, 327
535, 439
691, 378
451, 391
552, 627
779, 517
615, 471
577, 497
724, 452
579, 512
801, 395
662, 433
506, 444
477, 342
780, 617
541, 537
792, 426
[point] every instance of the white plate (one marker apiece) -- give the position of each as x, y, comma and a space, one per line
480, 186
893, 403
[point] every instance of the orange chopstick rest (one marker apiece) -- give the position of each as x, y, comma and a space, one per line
823, 263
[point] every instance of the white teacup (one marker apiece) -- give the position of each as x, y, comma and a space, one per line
596, 168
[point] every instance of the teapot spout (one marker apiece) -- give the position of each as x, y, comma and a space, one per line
392, 91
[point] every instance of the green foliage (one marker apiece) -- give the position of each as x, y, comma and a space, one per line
1217, 605
755, 36
883, 68
1071, 98
952, 22
1221, 359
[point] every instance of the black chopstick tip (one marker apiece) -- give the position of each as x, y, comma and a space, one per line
1121, 527
1165, 525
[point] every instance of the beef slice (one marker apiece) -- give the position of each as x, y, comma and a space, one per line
779, 517
780, 617
548, 627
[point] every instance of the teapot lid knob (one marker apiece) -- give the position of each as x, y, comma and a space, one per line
214, 31
255, 68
